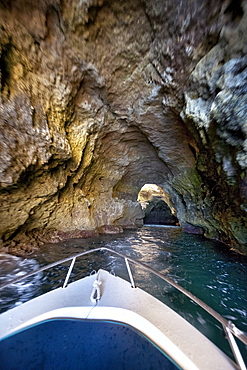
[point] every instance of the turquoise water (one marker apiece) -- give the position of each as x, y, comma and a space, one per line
205, 268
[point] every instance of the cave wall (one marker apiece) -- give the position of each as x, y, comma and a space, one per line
99, 97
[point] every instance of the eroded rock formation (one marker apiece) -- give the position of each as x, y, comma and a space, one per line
99, 97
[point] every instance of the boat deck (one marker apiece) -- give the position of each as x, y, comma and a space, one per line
121, 303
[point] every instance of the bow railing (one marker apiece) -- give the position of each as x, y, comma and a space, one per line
230, 329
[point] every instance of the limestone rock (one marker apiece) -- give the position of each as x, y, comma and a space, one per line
98, 98
215, 104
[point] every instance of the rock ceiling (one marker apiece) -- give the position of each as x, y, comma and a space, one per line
100, 97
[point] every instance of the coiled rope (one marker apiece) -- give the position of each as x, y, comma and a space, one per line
95, 295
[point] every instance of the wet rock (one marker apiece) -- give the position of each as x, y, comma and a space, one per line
110, 229
192, 229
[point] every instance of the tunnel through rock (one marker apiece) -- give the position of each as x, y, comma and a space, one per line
100, 97
156, 204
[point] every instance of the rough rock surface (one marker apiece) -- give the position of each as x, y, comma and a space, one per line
99, 97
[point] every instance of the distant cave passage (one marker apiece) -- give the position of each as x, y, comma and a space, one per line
156, 205
159, 214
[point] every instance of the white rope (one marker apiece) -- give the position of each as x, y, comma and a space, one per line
95, 296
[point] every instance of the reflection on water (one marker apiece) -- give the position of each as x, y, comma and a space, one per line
203, 267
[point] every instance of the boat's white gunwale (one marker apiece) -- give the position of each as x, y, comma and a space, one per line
117, 298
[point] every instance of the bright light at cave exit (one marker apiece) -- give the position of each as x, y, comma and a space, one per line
148, 191
157, 206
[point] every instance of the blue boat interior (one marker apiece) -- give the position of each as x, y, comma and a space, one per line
81, 344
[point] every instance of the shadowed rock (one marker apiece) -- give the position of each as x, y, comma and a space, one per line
158, 213
98, 98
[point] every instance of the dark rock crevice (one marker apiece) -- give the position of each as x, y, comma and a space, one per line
5, 67
159, 214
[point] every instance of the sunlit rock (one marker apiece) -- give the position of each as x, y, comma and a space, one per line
98, 98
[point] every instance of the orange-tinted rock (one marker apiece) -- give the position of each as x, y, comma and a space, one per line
98, 98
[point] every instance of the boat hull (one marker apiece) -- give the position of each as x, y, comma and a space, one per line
119, 303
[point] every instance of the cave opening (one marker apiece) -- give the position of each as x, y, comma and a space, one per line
156, 205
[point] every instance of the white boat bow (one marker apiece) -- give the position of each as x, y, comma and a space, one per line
103, 297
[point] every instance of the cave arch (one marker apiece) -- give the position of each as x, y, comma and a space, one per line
156, 206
